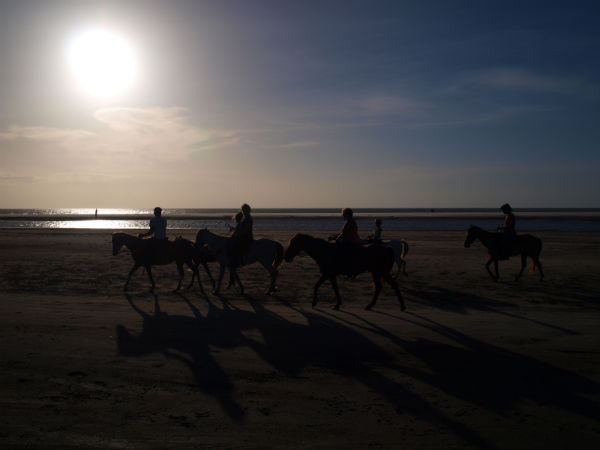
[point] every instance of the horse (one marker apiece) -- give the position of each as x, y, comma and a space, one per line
525, 245
346, 259
266, 251
400, 250
152, 252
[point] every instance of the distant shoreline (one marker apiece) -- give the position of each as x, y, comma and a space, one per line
543, 215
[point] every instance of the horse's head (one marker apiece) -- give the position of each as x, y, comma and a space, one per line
297, 244
117, 243
471, 236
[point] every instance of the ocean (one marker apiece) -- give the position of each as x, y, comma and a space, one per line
306, 219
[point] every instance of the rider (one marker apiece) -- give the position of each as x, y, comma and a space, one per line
238, 220
242, 237
349, 232
375, 238
158, 226
507, 230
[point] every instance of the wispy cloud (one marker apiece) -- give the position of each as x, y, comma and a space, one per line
133, 140
520, 79
300, 144
41, 133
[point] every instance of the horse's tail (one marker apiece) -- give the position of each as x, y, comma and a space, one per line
404, 248
278, 256
536, 254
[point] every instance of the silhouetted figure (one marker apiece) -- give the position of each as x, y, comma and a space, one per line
375, 238
349, 232
153, 252
242, 237
508, 231
158, 226
346, 258
524, 244
238, 220
96, 214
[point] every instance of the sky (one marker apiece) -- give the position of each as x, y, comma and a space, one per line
367, 104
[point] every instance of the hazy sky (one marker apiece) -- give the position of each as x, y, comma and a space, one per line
305, 104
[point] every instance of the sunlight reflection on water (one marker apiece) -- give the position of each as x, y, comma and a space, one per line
94, 224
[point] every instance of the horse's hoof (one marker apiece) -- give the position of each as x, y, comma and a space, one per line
368, 307
336, 307
402, 307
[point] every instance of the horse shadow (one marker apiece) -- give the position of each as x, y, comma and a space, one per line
179, 335
462, 303
288, 347
459, 365
486, 375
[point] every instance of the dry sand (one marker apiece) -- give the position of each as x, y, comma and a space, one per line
470, 364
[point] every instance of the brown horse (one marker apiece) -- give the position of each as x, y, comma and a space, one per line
524, 245
152, 252
346, 259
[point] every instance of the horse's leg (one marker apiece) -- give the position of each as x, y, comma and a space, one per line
377, 286
231, 280
398, 261
135, 266
149, 270
317, 285
195, 273
388, 277
273, 274
539, 266
236, 278
212, 280
181, 275
338, 298
523, 263
487, 267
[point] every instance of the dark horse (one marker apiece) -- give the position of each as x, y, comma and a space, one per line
150, 252
524, 245
346, 259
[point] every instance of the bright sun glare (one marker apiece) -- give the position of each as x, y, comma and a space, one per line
103, 63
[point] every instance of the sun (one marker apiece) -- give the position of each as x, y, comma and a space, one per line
102, 62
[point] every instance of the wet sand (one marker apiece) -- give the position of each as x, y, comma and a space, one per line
470, 364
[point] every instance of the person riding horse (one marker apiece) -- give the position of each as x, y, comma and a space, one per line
158, 228
508, 231
242, 237
349, 232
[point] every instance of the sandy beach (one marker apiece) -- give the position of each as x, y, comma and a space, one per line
470, 364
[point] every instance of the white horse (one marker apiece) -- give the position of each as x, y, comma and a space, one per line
400, 250
266, 251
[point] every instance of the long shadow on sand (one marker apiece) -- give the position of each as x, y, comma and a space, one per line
461, 303
482, 374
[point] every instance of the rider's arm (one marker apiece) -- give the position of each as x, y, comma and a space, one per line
147, 233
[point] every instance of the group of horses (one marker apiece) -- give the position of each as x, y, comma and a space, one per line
333, 259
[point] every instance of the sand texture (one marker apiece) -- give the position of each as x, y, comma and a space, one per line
470, 364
